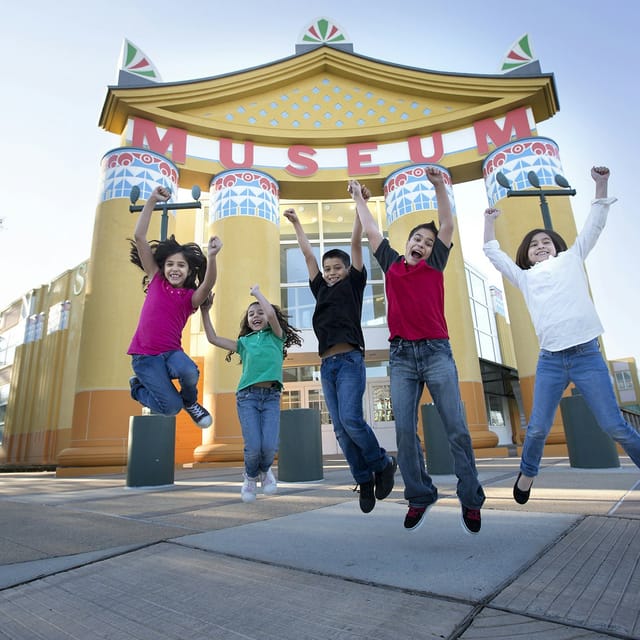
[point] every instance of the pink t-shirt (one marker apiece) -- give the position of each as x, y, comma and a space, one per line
164, 314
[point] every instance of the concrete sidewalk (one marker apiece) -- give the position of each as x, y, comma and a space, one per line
91, 558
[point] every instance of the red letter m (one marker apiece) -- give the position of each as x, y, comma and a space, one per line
145, 135
516, 124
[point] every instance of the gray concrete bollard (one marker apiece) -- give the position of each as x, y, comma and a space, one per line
436, 444
588, 445
151, 459
300, 450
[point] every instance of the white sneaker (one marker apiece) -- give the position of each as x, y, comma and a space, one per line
248, 491
268, 481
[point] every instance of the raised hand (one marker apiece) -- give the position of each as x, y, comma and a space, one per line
600, 173
214, 246
435, 176
492, 213
291, 215
160, 194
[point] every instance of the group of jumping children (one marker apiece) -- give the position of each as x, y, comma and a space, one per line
179, 279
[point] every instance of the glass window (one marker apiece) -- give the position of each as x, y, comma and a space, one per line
374, 309
337, 219
483, 321
316, 401
494, 411
328, 225
623, 380
293, 267
291, 399
381, 398
299, 304
486, 347
308, 215
478, 291
374, 272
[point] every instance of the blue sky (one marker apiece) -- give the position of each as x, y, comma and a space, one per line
58, 59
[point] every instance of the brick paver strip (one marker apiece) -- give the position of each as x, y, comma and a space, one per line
590, 578
499, 625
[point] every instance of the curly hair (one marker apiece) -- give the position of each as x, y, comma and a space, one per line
522, 254
163, 249
291, 334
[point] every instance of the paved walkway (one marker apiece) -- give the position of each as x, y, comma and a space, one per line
91, 558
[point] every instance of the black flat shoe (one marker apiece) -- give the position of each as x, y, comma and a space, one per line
520, 496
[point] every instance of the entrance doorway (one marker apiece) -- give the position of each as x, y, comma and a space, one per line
377, 411
498, 418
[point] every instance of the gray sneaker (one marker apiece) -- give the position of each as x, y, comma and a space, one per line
268, 482
248, 491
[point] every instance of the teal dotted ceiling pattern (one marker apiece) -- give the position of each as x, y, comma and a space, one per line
326, 104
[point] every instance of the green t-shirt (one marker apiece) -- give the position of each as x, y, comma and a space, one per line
262, 355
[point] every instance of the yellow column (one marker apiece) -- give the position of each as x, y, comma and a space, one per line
520, 215
411, 200
113, 299
244, 213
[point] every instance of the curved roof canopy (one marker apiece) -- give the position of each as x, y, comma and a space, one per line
328, 96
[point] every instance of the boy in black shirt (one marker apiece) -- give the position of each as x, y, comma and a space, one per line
339, 290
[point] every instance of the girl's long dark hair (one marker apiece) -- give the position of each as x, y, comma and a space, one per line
162, 249
291, 334
522, 254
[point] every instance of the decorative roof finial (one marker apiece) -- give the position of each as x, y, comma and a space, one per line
134, 65
323, 31
520, 60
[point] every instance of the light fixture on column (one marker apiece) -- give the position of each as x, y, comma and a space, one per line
165, 207
534, 181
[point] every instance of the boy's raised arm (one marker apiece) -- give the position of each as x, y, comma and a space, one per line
445, 215
356, 244
303, 242
364, 214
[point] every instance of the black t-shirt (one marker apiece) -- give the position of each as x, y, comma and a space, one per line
337, 316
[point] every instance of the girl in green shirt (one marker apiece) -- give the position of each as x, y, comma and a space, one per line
262, 346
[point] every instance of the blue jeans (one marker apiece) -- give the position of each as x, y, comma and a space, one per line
259, 414
156, 389
413, 364
343, 378
585, 367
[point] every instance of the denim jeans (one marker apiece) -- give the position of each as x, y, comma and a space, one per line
585, 367
156, 389
413, 364
343, 379
259, 414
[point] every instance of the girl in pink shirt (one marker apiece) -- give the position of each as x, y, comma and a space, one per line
178, 278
